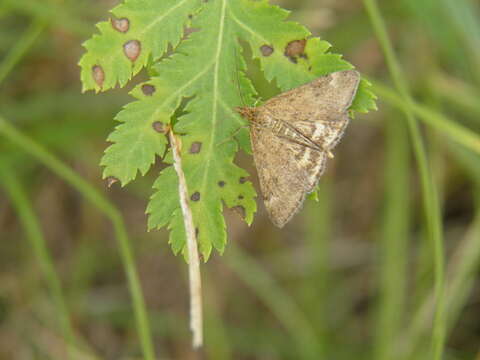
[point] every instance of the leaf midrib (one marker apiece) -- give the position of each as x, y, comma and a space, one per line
167, 101
215, 91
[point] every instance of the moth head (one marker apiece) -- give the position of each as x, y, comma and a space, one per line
246, 112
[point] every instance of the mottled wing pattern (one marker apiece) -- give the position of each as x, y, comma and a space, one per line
282, 178
324, 99
326, 134
292, 135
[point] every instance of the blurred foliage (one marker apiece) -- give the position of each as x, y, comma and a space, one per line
350, 277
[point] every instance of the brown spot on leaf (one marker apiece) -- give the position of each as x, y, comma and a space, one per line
195, 196
241, 210
195, 147
111, 180
240, 197
295, 49
221, 183
98, 75
266, 50
148, 89
121, 25
197, 231
159, 127
189, 30
242, 180
132, 49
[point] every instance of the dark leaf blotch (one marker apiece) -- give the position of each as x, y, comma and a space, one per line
148, 89
132, 49
159, 127
195, 147
98, 75
295, 49
266, 50
121, 25
195, 196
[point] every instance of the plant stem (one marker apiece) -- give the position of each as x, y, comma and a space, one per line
97, 199
429, 193
195, 280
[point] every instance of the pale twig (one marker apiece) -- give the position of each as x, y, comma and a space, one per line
193, 259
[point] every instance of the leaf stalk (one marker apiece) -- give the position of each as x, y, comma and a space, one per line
195, 280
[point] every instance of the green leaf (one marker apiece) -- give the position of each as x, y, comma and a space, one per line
135, 142
203, 77
365, 99
153, 24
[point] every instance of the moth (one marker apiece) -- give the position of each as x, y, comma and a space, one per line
292, 136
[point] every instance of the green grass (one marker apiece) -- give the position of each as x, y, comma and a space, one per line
108, 210
20, 201
429, 192
393, 241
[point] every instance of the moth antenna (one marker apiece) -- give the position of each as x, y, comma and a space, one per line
237, 70
237, 78
233, 135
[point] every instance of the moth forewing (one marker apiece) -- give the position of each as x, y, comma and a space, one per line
292, 135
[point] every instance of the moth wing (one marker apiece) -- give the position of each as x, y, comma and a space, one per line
286, 172
326, 98
326, 134
287, 169
312, 162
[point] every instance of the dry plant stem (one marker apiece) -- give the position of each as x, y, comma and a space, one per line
193, 260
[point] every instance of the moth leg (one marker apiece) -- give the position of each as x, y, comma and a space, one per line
232, 135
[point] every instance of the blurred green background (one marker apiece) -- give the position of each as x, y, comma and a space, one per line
353, 276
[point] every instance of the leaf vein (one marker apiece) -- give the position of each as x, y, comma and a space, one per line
247, 28
215, 88
159, 19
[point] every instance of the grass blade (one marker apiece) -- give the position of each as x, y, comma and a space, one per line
34, 235
20, 48
429, 192
440, 122
393, 247
281, 305
92, 195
